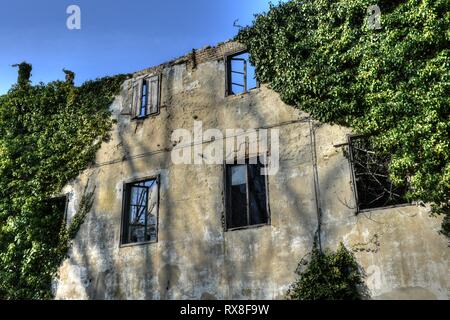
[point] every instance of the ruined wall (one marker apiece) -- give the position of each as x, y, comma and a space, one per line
194, 258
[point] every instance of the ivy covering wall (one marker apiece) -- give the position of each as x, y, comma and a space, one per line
391, 84
49, 133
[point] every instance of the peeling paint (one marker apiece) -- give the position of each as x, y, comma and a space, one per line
399, 248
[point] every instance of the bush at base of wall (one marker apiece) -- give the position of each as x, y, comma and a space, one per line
328, 276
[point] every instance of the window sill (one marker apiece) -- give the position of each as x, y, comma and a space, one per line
137, 119
134, 244
145, 117
255, 226
244, 94
386, 207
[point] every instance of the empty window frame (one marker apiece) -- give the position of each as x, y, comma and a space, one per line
246, 198
372, 186
140, 211
240, 74
146, 96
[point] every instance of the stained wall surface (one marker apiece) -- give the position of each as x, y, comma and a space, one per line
400, 249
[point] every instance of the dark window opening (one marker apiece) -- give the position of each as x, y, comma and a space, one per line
140, 219
54, 213
240, 73
57, 204
246, 196
371, 178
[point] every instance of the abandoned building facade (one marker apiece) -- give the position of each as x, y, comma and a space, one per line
165, 230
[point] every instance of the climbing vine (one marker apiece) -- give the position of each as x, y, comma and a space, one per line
49, 133
391, 84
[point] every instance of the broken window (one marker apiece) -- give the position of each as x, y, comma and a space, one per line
145, 97
371, 178
140, 219
240, 74
246, 195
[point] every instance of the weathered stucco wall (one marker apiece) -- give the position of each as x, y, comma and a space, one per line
194, 258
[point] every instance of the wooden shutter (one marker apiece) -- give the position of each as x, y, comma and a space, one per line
153, 95
136, 101
127, 98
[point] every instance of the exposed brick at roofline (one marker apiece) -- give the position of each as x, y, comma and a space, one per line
198, 56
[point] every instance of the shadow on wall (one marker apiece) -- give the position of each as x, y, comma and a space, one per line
107, 272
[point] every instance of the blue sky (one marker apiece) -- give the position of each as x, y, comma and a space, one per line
116, 36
